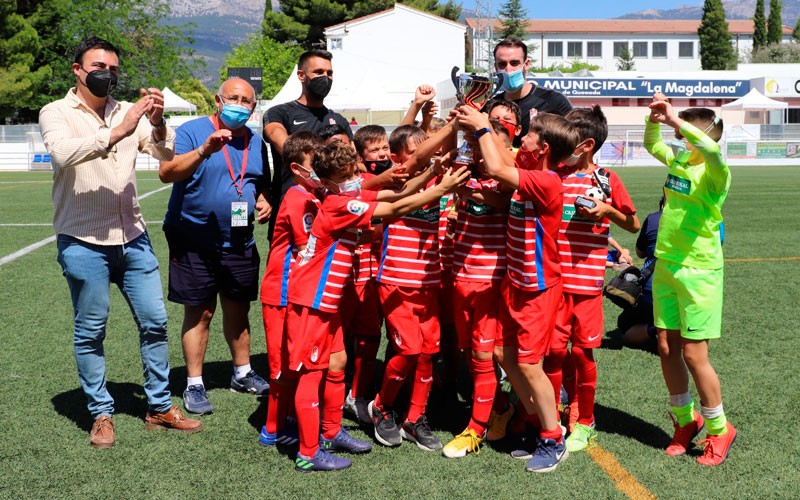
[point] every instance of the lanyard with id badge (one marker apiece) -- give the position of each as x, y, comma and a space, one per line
239, 210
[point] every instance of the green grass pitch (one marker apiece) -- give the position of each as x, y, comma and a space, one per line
44, 423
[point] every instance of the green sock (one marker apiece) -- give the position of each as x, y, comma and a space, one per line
684, 414
717, 425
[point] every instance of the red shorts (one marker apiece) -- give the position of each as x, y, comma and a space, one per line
311, 337
446, 300
275, 331
475, 305
580, 320
527, 319
360, 309
412, 318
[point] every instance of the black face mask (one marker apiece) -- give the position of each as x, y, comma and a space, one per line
100, 82
319, 87
378, 167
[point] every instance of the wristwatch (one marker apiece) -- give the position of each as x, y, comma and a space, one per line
159, 126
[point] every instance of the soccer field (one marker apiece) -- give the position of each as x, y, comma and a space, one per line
44, 423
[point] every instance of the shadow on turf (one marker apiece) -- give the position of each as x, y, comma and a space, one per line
614, 421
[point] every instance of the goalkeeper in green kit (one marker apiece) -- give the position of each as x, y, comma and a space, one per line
687, 282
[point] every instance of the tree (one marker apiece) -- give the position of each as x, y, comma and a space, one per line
759, 26
716, 51
196, 93
514, 19
275, 59
303, 21
19, 46
774, 23
625, 60
796, 32
778, 53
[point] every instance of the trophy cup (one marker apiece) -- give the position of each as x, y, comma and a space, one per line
472, 90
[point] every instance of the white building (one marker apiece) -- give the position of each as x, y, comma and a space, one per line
656, 45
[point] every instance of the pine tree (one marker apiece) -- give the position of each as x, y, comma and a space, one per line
716, 51
774, 24
796, 32
759, 26
513, 17
625, 60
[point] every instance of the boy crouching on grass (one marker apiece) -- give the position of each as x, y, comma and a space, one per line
687, 281
531, 289
322, 271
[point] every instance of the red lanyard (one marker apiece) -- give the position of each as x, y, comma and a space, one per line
240, 184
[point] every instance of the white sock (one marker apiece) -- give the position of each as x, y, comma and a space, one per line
195, 381
679, 400
711, 412
239, 372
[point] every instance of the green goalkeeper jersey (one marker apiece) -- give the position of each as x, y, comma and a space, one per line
689, 231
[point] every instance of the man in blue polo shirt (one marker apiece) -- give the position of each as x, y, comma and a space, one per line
218, 179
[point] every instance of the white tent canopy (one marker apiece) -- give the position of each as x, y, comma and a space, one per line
175, 103
754, 101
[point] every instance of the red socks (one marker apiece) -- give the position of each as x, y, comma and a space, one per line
587, 383
279, 402
397, 369
423, 380
553, 368
332, 403
306, 401
485, 384
366, 352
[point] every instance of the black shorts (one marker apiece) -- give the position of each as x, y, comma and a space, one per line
197, 275
640, 314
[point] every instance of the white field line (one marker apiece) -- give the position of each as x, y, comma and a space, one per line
30, 248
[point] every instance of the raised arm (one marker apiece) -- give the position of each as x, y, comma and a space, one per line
449, 183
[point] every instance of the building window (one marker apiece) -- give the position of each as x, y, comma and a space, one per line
659, 50
686, 49
618, 46
574, 49
640, 49
594, 49
336, 44
555, 49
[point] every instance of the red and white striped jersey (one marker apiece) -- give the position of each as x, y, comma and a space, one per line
582, 243
325, 267
410, 252
533, 221
292, 227
446, 244
480, 242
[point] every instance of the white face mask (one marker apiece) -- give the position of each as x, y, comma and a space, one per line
313, 181
679, 150
350, 187
574, 158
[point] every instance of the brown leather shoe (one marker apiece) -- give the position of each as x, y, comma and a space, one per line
173, 419
102, 435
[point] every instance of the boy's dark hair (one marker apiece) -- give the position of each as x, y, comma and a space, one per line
299, 145
329, 131
499, 129
305, 56
558, 133
90, 43
398, 140
512, 42
704, 118
334, 158
366, 135
504, 103
590, 123
436, 124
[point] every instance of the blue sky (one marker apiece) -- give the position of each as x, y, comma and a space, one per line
588, 9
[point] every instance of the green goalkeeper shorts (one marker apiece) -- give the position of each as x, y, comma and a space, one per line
688, 299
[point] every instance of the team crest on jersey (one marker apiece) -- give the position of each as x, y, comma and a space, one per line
534, 112
398, 339
314, 354
331, 121
308, 219
356, 207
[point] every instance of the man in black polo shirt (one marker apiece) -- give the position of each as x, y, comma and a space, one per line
511, 59
308, 112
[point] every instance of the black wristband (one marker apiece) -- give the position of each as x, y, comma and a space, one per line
159, 126
479, 133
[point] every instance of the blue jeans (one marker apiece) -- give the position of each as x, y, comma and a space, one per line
133, 267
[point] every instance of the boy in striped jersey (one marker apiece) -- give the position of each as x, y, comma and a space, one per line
324, 268
583, 250
292, 226
531, 289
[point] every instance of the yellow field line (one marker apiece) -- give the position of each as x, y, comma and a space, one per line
623, 479
763, 259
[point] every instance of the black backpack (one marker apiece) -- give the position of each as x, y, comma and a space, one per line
626, 288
